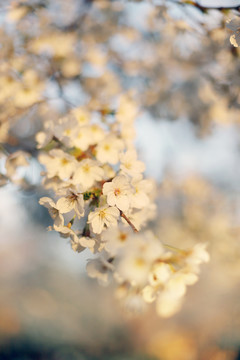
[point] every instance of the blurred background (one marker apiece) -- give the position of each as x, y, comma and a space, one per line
176, 61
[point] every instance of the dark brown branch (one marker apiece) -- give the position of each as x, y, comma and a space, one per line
204, 9
128, 221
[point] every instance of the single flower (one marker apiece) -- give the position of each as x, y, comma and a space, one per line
105, 215
118, 192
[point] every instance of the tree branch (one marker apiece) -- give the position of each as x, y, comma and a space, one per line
204, 9
128, 221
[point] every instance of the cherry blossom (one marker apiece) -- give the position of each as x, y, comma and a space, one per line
72, 200
87, 172
105, 215
118, 192
130, 165
107, 151
53, 211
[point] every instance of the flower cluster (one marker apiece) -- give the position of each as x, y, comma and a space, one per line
13, 164
103, 203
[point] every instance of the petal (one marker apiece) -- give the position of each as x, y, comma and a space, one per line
58, 222
139, 200
168, 306
77, 246
64, 205
92, 215
113, 211
122, 202
47, 202
235, 39
149, 294
110, 220
87, 241
111, 199
107, 187
79, 209
97, 225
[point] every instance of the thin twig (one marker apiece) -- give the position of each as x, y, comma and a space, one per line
128, 221
205, 8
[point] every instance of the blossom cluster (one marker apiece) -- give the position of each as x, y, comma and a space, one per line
101, 201
13, 164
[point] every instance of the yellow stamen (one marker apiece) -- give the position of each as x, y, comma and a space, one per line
122, 237
64, 161
117, 192
86, 168
139, 262
106, 147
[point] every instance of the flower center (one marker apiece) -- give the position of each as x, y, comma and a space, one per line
79, 135
81, 118
128, 165
86, 168
53, 212
102, 214
73, 197
117, 192
106, 147
94, 128
67, 132
122, 237
64, 162
139, 262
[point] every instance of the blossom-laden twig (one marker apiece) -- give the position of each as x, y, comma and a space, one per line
101, 199
204, 8
98, 182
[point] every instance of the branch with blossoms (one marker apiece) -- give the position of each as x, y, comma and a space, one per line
204, 8
103, 202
